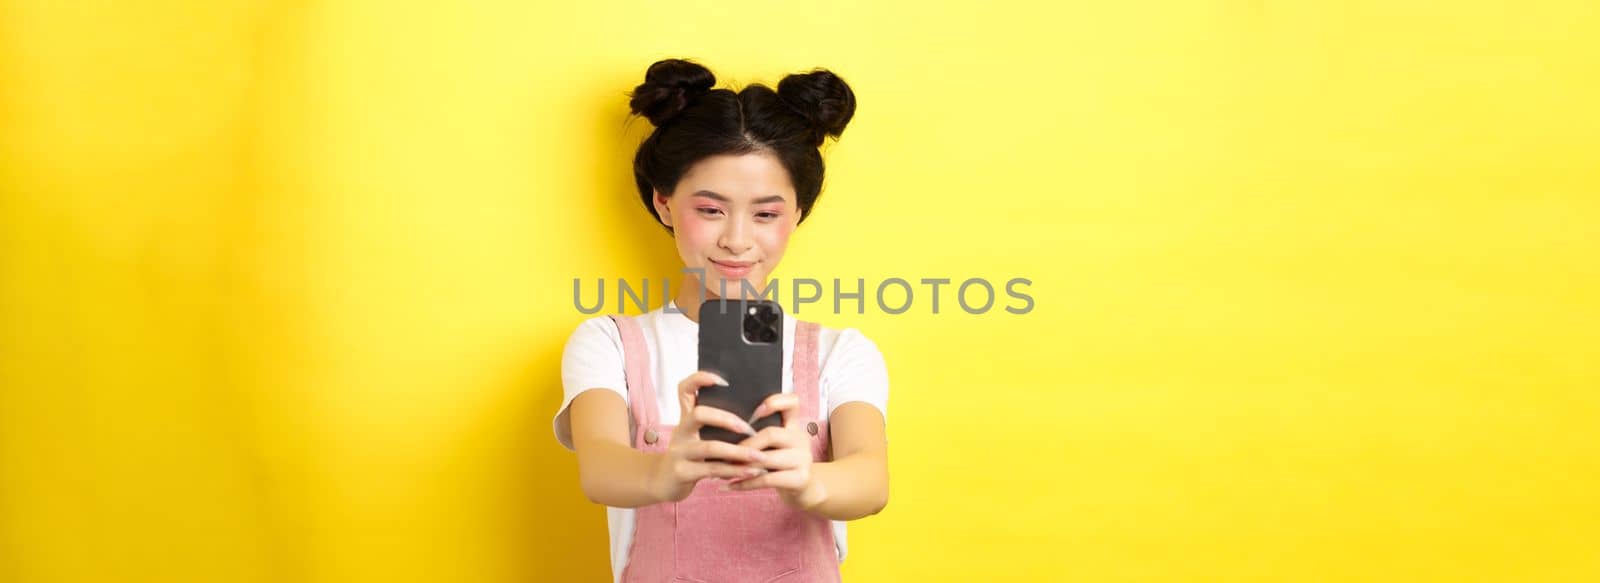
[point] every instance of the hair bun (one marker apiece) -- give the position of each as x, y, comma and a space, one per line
670, 85
823, 98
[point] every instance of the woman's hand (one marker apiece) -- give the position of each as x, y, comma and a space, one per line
788, 452
685, 461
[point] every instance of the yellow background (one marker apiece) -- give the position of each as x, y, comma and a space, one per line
285, 284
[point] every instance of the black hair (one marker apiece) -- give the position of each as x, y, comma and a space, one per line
694, 122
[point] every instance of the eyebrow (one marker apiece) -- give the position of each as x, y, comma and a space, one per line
715, 196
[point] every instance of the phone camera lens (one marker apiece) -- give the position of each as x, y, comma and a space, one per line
768, 335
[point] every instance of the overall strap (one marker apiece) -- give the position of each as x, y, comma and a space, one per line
806, 373
641, 387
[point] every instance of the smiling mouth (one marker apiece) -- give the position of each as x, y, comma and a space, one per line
733, 270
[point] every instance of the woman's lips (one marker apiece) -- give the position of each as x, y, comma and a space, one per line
733, 270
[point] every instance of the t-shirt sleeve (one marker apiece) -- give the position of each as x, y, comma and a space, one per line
855, 371
592, 359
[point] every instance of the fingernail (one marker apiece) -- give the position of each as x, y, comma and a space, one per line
758, 457
748, 430
761, 411
718, 380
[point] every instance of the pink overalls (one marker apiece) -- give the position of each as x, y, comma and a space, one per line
713, 536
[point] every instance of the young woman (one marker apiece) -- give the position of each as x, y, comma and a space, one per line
730, 175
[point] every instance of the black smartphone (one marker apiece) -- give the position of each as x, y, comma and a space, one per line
741, 341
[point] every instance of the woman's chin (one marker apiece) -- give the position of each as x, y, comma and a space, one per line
732, 287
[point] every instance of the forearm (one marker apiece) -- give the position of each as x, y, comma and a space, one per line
855, 486
616, 475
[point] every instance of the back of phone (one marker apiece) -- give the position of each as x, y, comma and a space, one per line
741, 341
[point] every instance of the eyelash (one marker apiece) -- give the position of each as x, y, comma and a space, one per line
708, 211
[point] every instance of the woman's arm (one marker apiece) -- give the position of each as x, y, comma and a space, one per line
613, 473
856, 483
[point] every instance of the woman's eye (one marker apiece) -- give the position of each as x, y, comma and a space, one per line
767, 216
708, 211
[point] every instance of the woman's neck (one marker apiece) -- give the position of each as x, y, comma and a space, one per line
691, 292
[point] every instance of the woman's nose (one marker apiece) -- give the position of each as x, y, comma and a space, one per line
736, 238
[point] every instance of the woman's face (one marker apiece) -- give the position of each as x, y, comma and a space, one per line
732, 216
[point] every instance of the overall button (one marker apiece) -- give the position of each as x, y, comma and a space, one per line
811, 428
650, 436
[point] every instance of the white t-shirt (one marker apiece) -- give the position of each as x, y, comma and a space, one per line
851, 366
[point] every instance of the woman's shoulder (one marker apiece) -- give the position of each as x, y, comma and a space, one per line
596, 334
848, 338
850, 347
853, 369
601, 325
603, 330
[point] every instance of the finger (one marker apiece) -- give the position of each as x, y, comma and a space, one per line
727, 452
784, 402
715, 417
787, 480
748, 476
693, 471
772, 437
778, 460
690, 386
